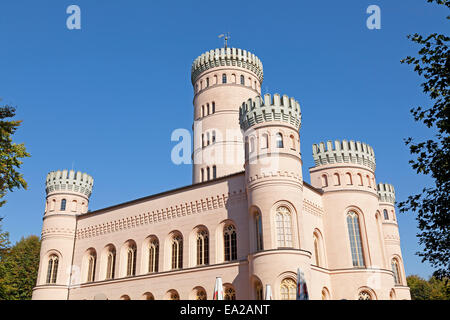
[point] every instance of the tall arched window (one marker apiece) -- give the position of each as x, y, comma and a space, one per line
213, 107
264, 141
200, 294
230, 245
258, 231
229, 293
91, 267
177, 252
153, 255
279, 140
364, 295
207, 82
292, 139
259, 291
63, 204
317, 250
386, 215
348, 178
214, 172
203, 174
324, 179
208, 173
131, 260
202, 248
337, 180
52, 269
360, 178
284, 227
207, 108
224, 78
203, 111
288, 289
242, 80
396, 271
355, 239
110, 265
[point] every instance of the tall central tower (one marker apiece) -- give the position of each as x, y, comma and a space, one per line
222, 79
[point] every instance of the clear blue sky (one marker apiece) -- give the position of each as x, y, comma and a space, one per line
106, 98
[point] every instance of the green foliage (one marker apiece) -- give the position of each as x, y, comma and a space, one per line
432, 156
19, 268
433, 289
10, 154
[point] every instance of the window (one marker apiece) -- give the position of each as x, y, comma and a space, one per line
364, 295
213, 107
52, 270
292, 142
214, 172
203, 175
229, 293
200, 295
224, 78
153, 256
360, 179
173, 295
229, 237
355, 239
91, 267
279, 140
325, 294
284, 232
316, 250
258, 227
324, 181
396, 271
337, 180
203, 111
207, 108
208, 173
348, 178
131, 260
177, 252
259, 291
63, 204
242, 80
386, 214
202, 248
264, 141
288, 289
207, 82
110, 265
213, 136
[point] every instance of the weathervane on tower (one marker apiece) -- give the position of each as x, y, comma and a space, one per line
226, 37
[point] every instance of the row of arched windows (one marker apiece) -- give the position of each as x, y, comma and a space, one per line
348, 180
265, 141
63, 205
207, 111
209, 175
224, 79
207, 135
386, 214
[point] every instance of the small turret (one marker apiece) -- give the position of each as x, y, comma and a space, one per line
386, 193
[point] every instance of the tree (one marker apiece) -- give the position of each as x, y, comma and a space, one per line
10, 154
433, 289
4, 249
432, 156
19, 268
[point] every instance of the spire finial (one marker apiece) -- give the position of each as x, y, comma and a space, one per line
226, 36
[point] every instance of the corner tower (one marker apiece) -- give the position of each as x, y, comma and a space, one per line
222, 79
68, 195
274, 183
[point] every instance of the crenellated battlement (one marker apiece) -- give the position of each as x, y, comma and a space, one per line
386, 192
227, 57
257, 110
69, 181
344, 152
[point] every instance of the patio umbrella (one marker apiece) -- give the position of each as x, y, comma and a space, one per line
218, 289
302, 289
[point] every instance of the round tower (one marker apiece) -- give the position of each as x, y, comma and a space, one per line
274, 183
222, 79
68, 195
345, 172
391, 237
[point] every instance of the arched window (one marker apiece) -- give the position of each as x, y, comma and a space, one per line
230, 245
386, 214
203, 175
325, 294
202, 248
131, 260
153, 255
259, 291
348, 178
200, 294
203, 111
252, 145
207, 82
177, 252
288, 289
125, 297
213, 136
213, 107
229, 293
233, 78
91, 267
242, 80
110, 264
258, 227
264, 141
208, 173
364, 295
360, 178
284, 228
324, 181
173, 295
207, 108
279, 140
224, 78
292, 139
63, 204
396, 271
355, 239
317, 250
214, 172
368, 181
52, 270
337, 180
207, 138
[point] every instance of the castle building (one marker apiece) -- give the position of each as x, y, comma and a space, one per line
249, 217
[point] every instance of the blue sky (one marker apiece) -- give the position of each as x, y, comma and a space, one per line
105, 99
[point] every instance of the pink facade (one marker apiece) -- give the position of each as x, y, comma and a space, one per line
249, 217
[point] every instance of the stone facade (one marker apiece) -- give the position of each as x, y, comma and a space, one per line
249, 217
